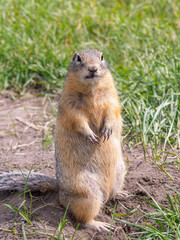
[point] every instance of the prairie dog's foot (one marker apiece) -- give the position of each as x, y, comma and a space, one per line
123, 193
101, 226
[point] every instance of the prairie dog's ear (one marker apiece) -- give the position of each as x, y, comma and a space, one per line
74, 56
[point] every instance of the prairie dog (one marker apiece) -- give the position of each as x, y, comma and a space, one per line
89, 164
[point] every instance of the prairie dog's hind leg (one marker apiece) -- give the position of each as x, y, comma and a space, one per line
85, 209
119, 181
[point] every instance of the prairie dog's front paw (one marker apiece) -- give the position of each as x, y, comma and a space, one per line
93, 138
106, 132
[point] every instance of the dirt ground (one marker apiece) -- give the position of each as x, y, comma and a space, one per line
24, 123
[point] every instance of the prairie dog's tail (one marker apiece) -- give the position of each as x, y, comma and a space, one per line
35, 181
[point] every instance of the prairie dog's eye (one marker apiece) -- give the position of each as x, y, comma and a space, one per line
102, 58
78, 58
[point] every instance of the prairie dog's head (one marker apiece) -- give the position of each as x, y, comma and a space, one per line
88, 65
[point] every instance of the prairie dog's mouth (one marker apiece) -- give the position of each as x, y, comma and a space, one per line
90, 75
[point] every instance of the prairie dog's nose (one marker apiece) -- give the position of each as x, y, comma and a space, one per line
92, 69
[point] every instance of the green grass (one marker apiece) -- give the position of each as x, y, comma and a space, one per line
140, 40
26, 214
164, 222
26, 224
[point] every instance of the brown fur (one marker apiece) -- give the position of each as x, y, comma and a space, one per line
90, 168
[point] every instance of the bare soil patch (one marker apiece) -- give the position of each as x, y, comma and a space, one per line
23, 123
